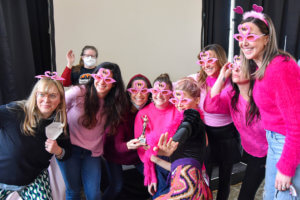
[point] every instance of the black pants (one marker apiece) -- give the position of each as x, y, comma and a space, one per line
224, 151
254, 175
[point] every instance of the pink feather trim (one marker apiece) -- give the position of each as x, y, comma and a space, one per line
254, 14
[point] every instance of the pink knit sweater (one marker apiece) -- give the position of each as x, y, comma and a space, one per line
158, 123
278, 97
253, 137
91, 139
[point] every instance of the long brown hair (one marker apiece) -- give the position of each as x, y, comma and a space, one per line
222, 59
271, 49
115, 102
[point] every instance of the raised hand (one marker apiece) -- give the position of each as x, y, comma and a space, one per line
70, 59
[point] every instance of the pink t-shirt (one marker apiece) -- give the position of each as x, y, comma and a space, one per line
90, 139
212, 119
253, 137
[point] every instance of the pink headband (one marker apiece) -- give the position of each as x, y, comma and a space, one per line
52, 75
255, 13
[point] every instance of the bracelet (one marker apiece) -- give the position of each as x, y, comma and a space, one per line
224, 79
60, 156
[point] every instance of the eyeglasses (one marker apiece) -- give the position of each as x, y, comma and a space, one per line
244, 33
136, 90
87, 55
183, 101
51, 96
178, 98
106, 80
103, 74
208, 61
156, 91
249, 37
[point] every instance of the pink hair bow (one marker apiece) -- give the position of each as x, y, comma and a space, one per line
52, 75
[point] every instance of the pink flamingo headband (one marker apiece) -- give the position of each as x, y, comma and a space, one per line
52, 75
255, 13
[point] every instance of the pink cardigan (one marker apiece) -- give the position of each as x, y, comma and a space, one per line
277, 96
158, 122
253, 137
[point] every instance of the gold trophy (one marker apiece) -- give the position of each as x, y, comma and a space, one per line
142, 138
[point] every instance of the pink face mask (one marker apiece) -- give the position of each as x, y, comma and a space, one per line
138, 88
178, 98
243, 34
103, 75
206, 59
160, 87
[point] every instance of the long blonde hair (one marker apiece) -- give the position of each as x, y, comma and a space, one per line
32, 112
222, 60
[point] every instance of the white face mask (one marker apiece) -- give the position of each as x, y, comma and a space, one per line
89, 61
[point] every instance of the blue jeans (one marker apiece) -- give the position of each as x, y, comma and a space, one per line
115, 179
79, 169
276, 143
162, 176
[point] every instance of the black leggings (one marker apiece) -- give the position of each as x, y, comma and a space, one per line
254, 175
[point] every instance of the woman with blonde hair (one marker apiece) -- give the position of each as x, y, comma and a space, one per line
25, 151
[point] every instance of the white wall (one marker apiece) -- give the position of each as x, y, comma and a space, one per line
142, 36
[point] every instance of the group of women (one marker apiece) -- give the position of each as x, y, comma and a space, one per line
174, 133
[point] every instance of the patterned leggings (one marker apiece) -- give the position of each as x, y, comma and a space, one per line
39, 189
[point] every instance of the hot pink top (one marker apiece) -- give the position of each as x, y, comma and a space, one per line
212, 119
91, 139
158, 121
277, 96
253, 137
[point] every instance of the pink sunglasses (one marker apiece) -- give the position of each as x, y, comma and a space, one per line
159, 87
206, 59
178, 98
138, 88
103, 75
243, 34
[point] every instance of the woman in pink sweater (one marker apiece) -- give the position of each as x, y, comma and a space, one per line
238, 102
93, 110
277, 95
157, 115
222, 135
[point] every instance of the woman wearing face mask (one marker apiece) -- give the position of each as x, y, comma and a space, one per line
119, 149
222, 135
150, 123
93, 110
25, 150
238, 102
277, 94
80, 74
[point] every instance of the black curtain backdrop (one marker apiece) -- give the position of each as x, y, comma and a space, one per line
25, 46
285, 15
